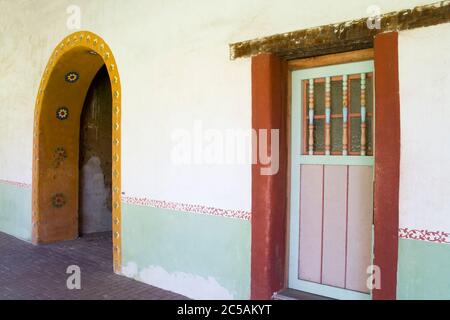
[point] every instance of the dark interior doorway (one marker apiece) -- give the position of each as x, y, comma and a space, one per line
95, 180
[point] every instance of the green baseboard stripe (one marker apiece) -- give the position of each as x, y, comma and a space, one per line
15, 210
200, 256
423, 270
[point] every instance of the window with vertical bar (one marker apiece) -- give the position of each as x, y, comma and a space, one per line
338, 115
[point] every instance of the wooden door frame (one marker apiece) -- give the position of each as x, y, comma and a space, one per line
354, 63
270, 110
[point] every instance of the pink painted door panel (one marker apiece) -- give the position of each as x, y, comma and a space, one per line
334, 226
335, 231
360, 217
311, 184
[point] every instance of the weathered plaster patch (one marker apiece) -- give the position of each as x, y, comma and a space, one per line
187, 284
15, 208
94, 213
130, 270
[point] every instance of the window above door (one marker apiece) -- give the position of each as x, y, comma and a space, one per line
337, 115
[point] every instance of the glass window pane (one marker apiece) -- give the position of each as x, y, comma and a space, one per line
355, 96
319, 135
355, 134
369, 94
336, 135
319, 98
336, 97
369, 136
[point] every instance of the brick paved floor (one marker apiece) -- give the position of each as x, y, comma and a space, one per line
39, 272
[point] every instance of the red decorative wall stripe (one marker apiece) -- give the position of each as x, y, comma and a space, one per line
184, 207
424, 235
17, 184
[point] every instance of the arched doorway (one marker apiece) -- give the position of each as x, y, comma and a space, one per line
59, 104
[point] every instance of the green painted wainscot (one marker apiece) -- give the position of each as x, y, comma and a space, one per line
199, 256
423, 270
15, 210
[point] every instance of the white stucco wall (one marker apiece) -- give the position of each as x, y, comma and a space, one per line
424, 75
173, 59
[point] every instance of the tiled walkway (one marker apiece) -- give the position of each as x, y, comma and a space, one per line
39, 272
